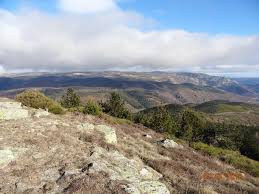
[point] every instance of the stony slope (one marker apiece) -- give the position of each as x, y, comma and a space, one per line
73, 153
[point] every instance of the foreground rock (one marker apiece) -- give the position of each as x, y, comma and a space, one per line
141, 178
12, 110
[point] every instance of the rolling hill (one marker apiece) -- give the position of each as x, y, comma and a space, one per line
140, 90
220, 111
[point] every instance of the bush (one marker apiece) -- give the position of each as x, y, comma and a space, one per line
70, 99
92, 108
191, 126
232, 157
35, 99
115, 107
160, 120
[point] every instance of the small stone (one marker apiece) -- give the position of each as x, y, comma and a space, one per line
167, 143
148, 136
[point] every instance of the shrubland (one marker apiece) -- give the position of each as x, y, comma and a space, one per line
37, 100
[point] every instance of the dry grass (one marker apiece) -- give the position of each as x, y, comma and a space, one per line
97, 183
183, 170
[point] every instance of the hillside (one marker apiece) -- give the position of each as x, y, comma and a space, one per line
74, 153
140, 90
220, 111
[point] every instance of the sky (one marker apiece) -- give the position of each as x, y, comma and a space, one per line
216, 37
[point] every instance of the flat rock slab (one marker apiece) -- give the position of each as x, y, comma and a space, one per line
12, 111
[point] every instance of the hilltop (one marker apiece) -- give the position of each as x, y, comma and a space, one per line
75, 153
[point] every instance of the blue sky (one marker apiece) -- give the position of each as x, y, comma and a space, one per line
211, 16
207, 36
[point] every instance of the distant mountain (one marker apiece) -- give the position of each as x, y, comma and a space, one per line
251, 84
140, 90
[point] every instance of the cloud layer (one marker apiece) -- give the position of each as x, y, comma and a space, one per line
100, 36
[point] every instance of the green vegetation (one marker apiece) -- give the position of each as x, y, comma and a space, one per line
191, 126
232, 157
38, 100
70, 99
194, 126
115, 106
92, 108
218, 106
161, 120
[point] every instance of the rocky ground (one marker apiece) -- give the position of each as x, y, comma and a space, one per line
74, 153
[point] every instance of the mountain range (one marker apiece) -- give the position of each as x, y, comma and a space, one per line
140, 90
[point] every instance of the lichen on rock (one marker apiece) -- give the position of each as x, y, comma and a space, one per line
8, 155
153, 187
141, 178
109, 133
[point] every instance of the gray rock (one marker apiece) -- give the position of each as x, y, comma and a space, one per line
141, 178
109, 133
168, 143
12, 111
8, 155
153, 187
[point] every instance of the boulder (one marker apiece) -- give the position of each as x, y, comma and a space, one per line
109, 133
168, 143
12, 111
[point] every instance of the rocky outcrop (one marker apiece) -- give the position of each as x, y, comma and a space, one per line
12, 110
76, 153
141, 178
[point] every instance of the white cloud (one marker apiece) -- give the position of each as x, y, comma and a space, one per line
35, 40
87, 6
